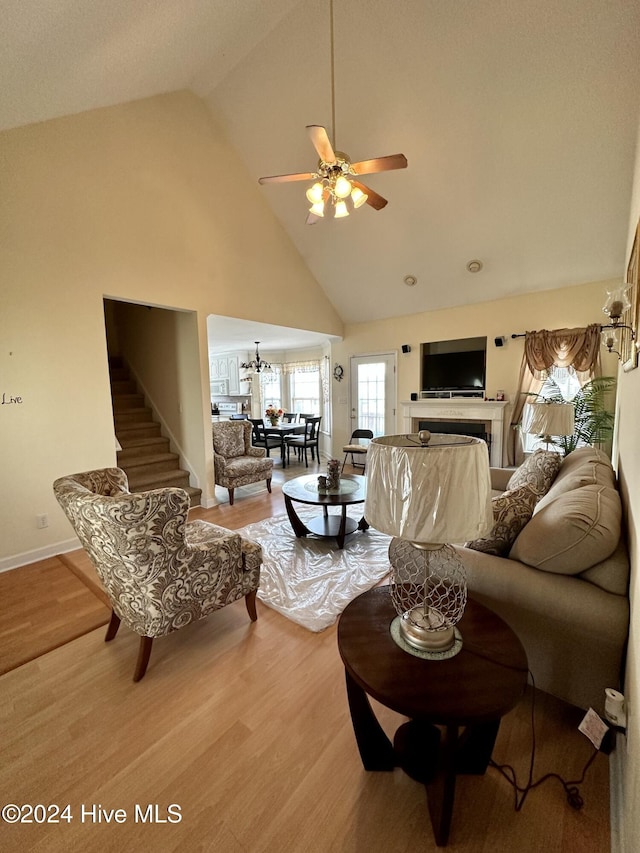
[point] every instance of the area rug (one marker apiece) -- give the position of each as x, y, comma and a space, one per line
44, 605
311, 580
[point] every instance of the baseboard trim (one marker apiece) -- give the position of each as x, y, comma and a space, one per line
24, 559
616, 797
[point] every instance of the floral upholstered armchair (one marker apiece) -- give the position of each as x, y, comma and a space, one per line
236, 462
160, 571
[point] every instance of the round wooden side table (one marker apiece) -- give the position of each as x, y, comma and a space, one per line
454, 705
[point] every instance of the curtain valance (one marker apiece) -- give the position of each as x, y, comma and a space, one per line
577, 348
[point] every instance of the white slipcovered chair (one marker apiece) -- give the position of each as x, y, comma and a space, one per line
160, 571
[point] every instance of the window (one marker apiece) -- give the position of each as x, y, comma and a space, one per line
304, 389
271, 390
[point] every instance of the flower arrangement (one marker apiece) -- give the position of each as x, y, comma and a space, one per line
273, 414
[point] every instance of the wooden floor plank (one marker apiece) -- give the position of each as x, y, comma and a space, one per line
43, 606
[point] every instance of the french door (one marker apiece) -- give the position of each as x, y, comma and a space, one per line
373, 393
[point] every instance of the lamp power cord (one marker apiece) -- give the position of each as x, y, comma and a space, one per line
572, 791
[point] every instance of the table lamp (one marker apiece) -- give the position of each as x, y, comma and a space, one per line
428, 491
548, 419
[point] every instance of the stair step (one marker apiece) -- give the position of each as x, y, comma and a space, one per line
125, 402
149, 463
123, 386
158, 480
194, 495
134, 446
128, 416
119, 374
134, 431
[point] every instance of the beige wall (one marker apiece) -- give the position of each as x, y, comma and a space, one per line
629, 473
554, 309
142, 202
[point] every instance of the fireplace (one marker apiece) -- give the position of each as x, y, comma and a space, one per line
479, 418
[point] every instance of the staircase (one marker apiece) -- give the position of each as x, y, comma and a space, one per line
145, 454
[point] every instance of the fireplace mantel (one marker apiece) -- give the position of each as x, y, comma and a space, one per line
459, 408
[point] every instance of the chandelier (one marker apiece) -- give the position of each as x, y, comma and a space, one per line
257, 364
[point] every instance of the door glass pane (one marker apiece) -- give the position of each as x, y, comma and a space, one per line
371, 397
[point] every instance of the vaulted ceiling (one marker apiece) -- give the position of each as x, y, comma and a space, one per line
518, 119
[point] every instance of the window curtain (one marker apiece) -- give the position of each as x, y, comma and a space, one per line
543, 350
299, 366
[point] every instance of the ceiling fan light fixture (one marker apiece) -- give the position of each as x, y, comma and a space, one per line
343, 187
340, 210
315, 192
317, 208
358, 197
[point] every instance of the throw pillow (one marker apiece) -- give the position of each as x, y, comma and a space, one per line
572, 533
538, 471
511, 511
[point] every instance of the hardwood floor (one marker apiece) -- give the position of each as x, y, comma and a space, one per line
246, 728
42, 606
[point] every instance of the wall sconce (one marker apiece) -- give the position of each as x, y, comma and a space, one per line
617, 303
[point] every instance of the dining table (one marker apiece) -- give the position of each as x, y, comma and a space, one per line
283, 430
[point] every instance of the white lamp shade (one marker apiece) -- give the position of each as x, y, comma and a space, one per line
548, 419
437, 494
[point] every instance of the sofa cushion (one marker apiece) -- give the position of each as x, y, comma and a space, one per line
538, 471
584, 467
573, 532
511, 511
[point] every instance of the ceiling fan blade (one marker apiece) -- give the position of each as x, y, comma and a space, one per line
281, 179
376, 201
320, 140
380, 164
312, 219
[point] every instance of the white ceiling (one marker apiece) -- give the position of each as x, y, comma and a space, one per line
518, 119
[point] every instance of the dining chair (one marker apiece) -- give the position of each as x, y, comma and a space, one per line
260, 439
308, 440
355, 448
290, 417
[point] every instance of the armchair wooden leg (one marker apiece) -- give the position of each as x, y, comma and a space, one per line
230, 497
250, 601
112, 628
144, 653
269, 484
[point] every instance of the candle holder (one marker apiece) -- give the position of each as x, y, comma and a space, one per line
333, 474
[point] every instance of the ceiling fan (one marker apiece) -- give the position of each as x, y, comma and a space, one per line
335, 176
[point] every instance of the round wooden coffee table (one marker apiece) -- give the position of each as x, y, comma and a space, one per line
469, 691
352, 490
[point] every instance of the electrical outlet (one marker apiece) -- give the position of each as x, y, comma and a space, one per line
42, 520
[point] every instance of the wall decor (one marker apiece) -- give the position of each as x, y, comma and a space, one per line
338, 372
629, 351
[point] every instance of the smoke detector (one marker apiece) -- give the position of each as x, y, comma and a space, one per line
474, 266
410, 280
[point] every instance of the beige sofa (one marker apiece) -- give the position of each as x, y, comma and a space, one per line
563, 583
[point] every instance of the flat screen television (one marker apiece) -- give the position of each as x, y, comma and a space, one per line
458, 365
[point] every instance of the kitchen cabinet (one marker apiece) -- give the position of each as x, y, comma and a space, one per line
233, 367
225, 375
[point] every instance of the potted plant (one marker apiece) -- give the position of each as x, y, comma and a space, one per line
593, 417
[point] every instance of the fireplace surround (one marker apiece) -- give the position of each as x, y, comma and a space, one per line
481, 416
